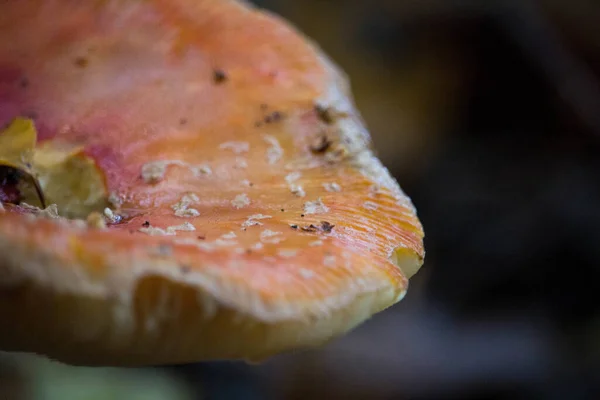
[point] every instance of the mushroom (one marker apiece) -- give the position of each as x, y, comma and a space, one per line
210, 188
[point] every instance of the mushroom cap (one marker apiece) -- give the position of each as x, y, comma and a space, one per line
254, 218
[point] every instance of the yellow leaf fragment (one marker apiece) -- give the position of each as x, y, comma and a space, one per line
17, 144
60, 173
70, 179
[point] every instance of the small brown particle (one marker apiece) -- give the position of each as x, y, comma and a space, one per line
294, 226
183, 121
263, 106
309, 228
146, 224
258, 124
320, 145
302, 215
326, 226
324, 114
185, 269
219, 76
201, 237
282, 210
275, 116
81, 62
24, 83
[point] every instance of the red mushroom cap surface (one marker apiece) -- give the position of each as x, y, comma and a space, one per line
213, 191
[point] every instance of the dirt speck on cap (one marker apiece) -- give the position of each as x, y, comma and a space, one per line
321, 144
219, 76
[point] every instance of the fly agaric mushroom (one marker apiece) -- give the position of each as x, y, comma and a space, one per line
210, 189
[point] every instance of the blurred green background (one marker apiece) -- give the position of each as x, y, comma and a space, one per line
488, 113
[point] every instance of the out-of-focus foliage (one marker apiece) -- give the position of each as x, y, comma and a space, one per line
40, 379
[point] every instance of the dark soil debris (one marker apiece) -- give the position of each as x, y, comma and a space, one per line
81, 62
219, 76
321, 145
326, 226
310, 228
325, 114
275, 116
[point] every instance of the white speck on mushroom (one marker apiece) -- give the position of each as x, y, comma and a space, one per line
186, 226
306, 273
316, 243
253, 220
257, 246
287, 253
115, 200
369, 205
240, 201
292, 177
110, 216
315, 207
236, 147
274, 152
201, 170
154, 171
230, 235
297, 190
223, 242
332, 187
246, 182
170, 231
240, 163
239, 250
329, 261
153, 231
182, 209
269, 236
227, 239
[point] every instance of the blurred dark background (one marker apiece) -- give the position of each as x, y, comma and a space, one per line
488, 113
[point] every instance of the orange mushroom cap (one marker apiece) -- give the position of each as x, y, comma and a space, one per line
246, 214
